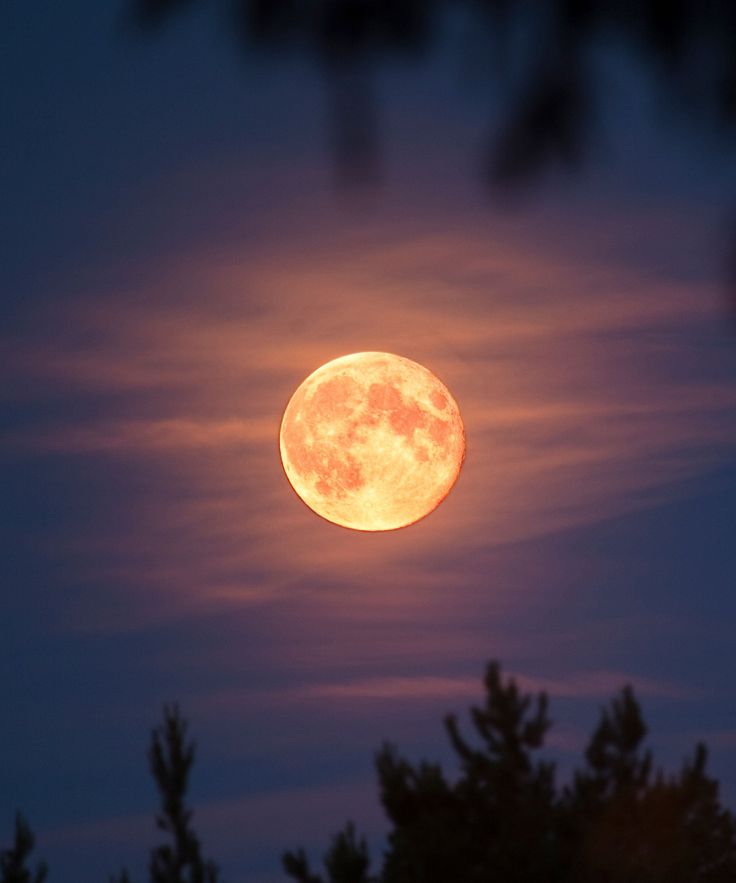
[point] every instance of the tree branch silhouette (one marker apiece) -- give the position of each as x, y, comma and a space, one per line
171, 756
505, 819
14, 861
539, 62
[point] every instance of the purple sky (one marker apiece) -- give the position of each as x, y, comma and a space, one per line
177, 258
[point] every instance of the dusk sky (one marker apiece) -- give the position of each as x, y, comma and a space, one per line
178, 254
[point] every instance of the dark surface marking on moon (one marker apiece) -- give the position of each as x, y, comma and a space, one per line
438, 400
332, 396
307, 450
406, 417
440, 431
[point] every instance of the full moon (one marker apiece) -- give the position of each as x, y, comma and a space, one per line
372, 441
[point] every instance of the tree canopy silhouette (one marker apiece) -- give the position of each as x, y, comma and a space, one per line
541, 55
505, 819
538, 62
170, 758
502, 818
14, 860
347, 860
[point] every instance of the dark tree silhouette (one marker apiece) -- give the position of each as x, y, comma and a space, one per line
14, 861
539, 61
171, 757
346, 861
496, 815
542, 56
632, 825
504, 819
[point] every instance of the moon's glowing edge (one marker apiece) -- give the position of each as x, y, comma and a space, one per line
297, 480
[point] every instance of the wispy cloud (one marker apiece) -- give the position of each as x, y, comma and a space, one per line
569, 373
257, 826
576, 685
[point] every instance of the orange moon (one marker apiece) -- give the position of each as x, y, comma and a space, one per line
372, 441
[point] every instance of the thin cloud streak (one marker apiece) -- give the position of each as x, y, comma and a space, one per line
233, 829
264, 818
576, 685
557, 365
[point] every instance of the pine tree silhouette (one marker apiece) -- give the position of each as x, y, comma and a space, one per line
346, 861
539, 61
13, 861
170, 759
547, 77
632, 824
504, 819
296, 865
500, 812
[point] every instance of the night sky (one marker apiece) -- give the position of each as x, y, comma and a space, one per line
178, 254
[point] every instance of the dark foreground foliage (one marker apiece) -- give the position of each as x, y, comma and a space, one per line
538, 60
502, 819
14, 861
170, 758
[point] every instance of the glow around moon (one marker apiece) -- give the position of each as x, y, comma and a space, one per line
372, 441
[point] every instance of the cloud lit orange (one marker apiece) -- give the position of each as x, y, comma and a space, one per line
563, 388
